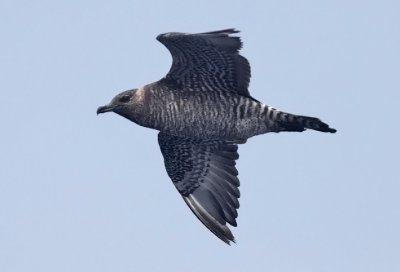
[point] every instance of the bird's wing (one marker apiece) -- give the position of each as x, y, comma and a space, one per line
205, 175
207, 62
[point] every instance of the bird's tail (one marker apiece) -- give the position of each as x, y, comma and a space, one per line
283, 121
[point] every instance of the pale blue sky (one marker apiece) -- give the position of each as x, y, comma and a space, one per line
80, 192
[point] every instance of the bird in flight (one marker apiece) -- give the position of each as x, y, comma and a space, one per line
203, 109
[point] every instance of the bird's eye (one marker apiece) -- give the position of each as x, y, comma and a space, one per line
124, 98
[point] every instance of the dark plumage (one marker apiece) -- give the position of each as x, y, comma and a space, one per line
203, 110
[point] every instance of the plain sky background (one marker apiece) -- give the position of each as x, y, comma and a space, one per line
80, 192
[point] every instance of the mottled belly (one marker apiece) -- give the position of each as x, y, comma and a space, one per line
195, 116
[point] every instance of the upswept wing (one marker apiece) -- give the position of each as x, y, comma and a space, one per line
207, 62
205, 175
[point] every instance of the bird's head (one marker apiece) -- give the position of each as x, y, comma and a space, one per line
122, 104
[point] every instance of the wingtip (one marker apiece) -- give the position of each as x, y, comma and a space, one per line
221, 231
222, 32
225, 32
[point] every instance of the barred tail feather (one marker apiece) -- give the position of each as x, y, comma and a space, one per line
290, 122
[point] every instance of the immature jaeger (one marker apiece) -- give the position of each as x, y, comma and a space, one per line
203, 110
